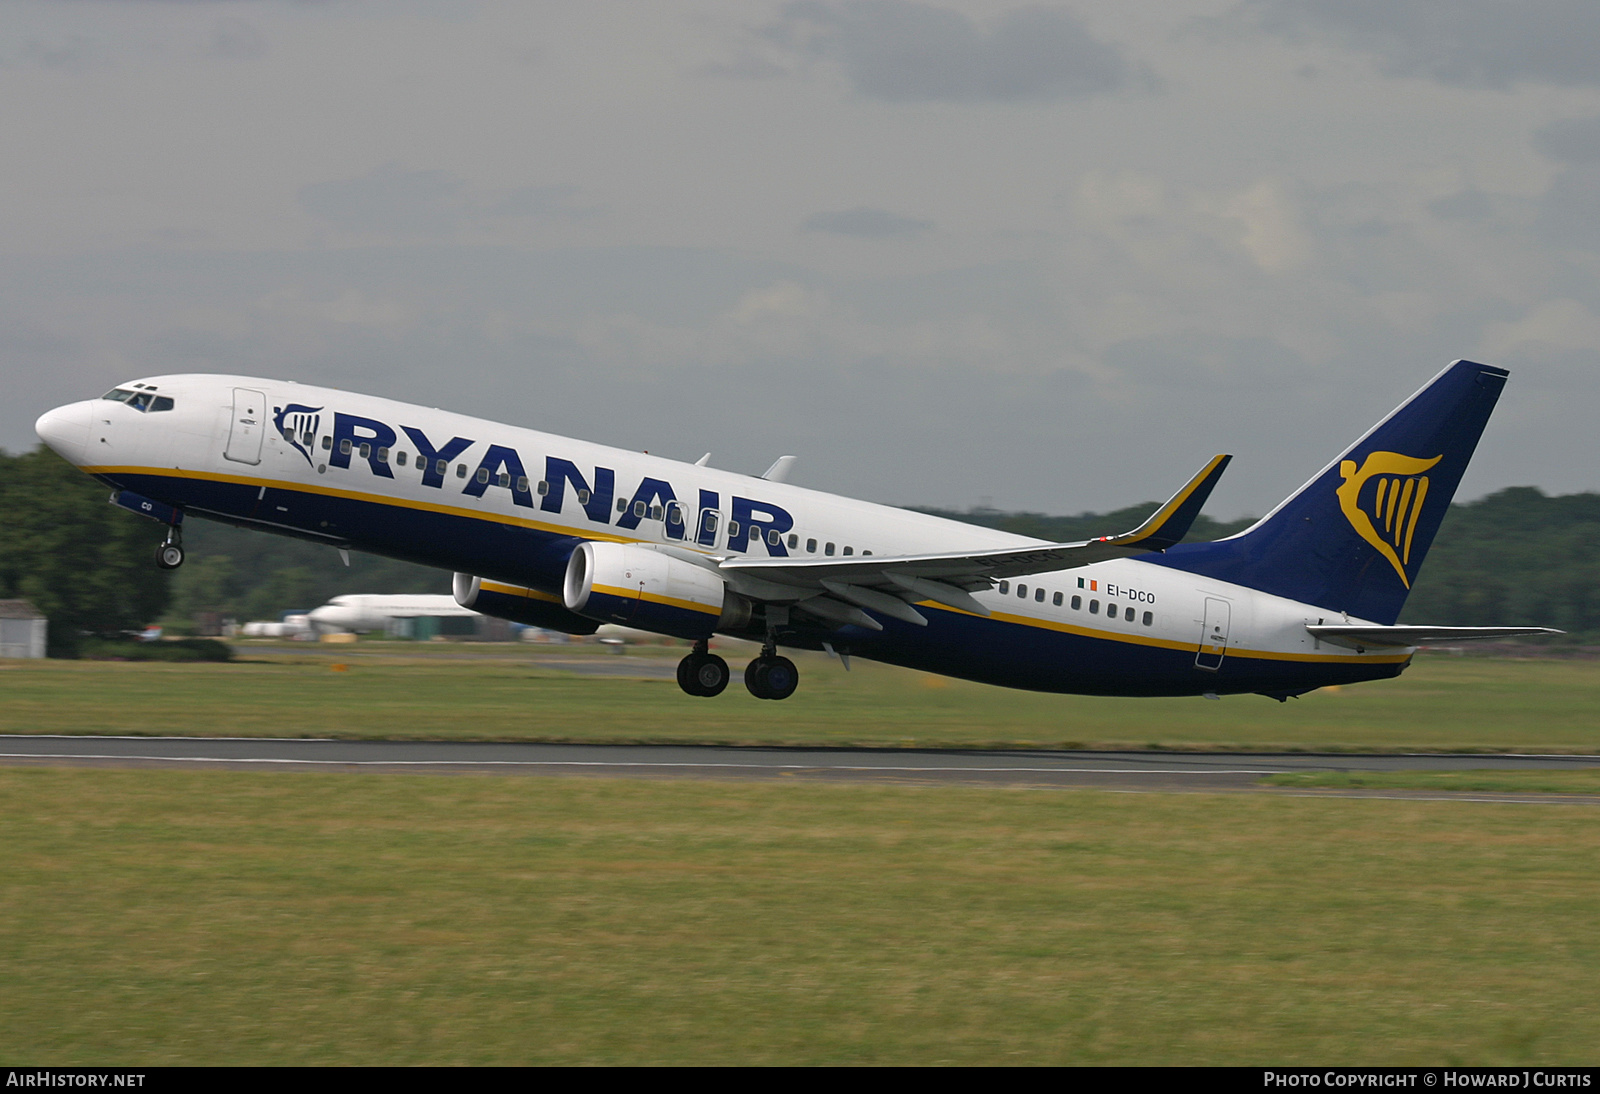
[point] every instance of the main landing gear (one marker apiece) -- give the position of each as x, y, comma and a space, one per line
702, 672
770, 676
767, 677
169, 555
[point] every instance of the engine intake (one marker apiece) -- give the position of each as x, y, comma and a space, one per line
640, 586
519, 604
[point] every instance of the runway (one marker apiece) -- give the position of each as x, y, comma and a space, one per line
1150, 771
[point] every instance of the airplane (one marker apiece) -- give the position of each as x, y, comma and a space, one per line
375, 611
568, 535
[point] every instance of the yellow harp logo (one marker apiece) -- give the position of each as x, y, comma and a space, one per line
1395, 506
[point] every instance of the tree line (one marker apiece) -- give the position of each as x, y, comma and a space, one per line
1517, 557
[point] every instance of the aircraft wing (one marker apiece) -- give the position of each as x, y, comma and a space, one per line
1356, 636
947, 577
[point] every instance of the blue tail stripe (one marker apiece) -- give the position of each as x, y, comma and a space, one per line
1352, 539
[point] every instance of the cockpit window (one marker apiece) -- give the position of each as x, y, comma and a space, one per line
143, 401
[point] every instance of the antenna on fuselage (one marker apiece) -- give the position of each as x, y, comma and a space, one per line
703, 461
779, 471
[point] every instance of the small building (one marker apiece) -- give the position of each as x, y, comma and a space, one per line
23, 629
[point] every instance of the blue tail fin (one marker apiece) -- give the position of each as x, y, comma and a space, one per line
1352, 539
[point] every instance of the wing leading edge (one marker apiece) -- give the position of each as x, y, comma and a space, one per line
838, 588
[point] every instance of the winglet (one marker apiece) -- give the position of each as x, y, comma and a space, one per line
1168, 525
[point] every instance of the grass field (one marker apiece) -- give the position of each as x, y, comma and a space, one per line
176, 917
512, 692
1586, 782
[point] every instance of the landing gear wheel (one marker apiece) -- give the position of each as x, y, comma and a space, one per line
703, 674
169, 556
771, 677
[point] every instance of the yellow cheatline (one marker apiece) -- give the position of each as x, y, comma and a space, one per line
1169, 644
355, 495
518, 590
655, 598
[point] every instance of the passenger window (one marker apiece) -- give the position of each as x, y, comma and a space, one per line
773, 538
383, 455
505, 479
461, 470
344, 447
622, 506
522, 484
674, 513
366, 451
327, 443
1005, 587
811, 546
709, 521
655, 512
439, 468
1038, 594
1077, 603
638, 508
1022, 591
1094, 607
583, 497
1127, 614
1056, 600
794, 541
483, 475
400, 458
733, 529
849, 550
1149, 618
1111, 610
827, 549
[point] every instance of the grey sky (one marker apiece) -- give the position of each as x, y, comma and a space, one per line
1049, 256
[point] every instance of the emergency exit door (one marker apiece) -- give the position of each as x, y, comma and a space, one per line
244, 434
1214, 638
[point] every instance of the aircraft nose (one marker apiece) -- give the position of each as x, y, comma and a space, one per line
66, 429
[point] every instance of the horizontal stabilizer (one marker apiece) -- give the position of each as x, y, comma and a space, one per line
1355, 636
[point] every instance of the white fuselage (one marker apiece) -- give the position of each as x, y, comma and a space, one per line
505, 500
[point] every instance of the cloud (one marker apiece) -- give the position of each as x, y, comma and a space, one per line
236, 40
392, 200
1569, 214
911, 52
867, 223
1465, 205
1465, 43
1571, 140
1563, 324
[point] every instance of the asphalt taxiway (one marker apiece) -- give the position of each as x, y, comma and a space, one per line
1150, 771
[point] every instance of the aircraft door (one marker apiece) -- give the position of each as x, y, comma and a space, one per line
709, 528
1214, 638
244, 434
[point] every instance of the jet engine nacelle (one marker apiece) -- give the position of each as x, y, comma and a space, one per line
518, 604
640, 586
